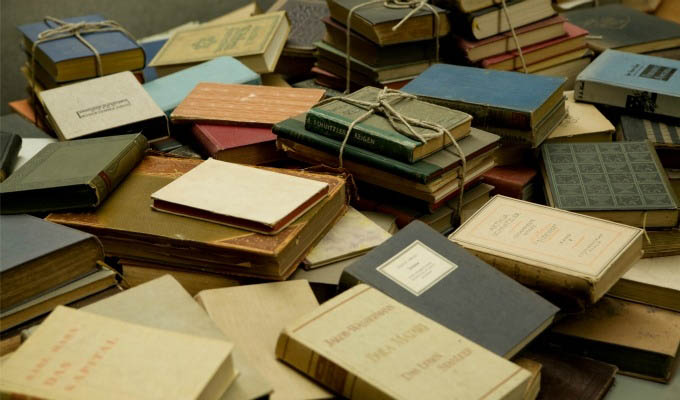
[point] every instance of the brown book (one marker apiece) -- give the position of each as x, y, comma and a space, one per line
662, 243
583, 123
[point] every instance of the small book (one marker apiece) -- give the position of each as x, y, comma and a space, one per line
664, 134
363, 344
583, 123
79, 355
170, 90
621, 181
10, 144
252, 316
491, 21
237, 143
516, 181
376, 134
71, 175
638, 83
109, 105
654, 281
306, 26
257, 42
550, 249
255, 199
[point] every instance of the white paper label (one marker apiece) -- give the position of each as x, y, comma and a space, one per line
417, 268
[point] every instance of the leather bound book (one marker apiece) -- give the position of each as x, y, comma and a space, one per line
238, 144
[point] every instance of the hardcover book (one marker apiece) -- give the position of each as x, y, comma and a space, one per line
10, 144
237, 144
363, 344
513, 181
654, 281
583, 123
550, 249
306, 26
621, 181
421, 269
29, 148
13, 123
662, 243
491, 21
70, 175
664, 134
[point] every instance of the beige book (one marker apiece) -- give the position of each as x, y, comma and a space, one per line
364, 345
583, 123
386, 221
654, 281
193, 281
252, 316
551, 249
79, 355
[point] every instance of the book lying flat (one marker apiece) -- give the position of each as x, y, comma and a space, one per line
491, 21
583, 123
29, 148
236, 143
654, 281
664, 134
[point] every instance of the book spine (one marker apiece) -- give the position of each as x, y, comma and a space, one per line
335, 127
202, 137
114, 172
633, 100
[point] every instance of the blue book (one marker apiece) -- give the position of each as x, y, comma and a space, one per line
68, 59
151, 49
638, 83
170, 90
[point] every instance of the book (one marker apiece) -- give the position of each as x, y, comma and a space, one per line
560, 59
652, 281
621, 181
70, 175
568, 69
29, 148
491, 21
636, 82
583, 123
91, 356
421, 269
519, 112
14, 123
549, 249
324, 280
640, 340
513, 181
662, 243
26, 110
10, 144
306, 26
664, 134
534, 385
229, 104
616, 26
138, 273
171, 89
252, 317
69, 59
257, 42
363, 344
375, 22
237, 143
131, 230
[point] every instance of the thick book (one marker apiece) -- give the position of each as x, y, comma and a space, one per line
550, 249
10, 144
69, 59
652, 281
240, 196
663, 133
620, 181
170, 90
491, 21
421, 269
71, 175
376, 134
306, 26
636, 82
583, 123
109, 105
252, 317
516, 181
363, 344
237, 143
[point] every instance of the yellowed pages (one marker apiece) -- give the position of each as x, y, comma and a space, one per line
582, 122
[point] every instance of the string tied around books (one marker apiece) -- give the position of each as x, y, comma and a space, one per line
644, 227
514, 36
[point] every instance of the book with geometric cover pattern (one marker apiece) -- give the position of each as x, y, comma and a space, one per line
657, 132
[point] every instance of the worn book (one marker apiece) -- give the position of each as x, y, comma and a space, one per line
306, 26
534, 385
583, 123
654, 281
109, 105
170, 90
662, 243
237, 143
638, 83
257, 42
10, 144
621, 181
527, 110
363, 344
252, 316
70, 175
29, 148
491, 21
421, 269
550, 249
556, 60
515, 181
664, 134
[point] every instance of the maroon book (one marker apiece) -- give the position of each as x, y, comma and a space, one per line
238, 144
512, 181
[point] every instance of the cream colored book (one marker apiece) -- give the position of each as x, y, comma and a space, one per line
79, 355
246, 197
252, 316
653, 281
364, 345
551, 249
583, 123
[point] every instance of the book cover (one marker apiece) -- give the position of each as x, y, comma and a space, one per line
10, 144
664, 134
491, 21
29, 148
583, 123
306, 26
235, 143
13, 123
652, 281
511, 181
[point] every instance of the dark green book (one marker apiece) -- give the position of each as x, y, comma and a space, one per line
622, 182
71, 175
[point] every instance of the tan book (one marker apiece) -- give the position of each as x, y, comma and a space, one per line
138, 273
534, 367
583, 123
252, 317
364, 345
550, 249
79, 355
662, 243
255, 41
653, 281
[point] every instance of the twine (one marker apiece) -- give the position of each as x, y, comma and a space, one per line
104, 265
514, 36
644, 227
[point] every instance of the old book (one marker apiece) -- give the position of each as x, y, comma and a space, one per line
109, 105
662, 243
130, 229
636, 82
518, 182
306, 26
530, 108
139, 273
91, 356
583, 123
26, 110
556, 60
237, 143
14, 123
616, 26
375, 22
669, 10
10, 144
640, 340
252, 317
29, 148
550, 249
229, 104
69, 175
421, 269
171, 89
654, 281
568, 69
622, 182
491, 21
249, 203
664, 134
363, 344
257, 42
534, 385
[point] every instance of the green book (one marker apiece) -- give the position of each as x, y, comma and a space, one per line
376, 133
71, 175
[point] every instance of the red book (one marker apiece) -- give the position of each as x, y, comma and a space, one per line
238, 144
516, 182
